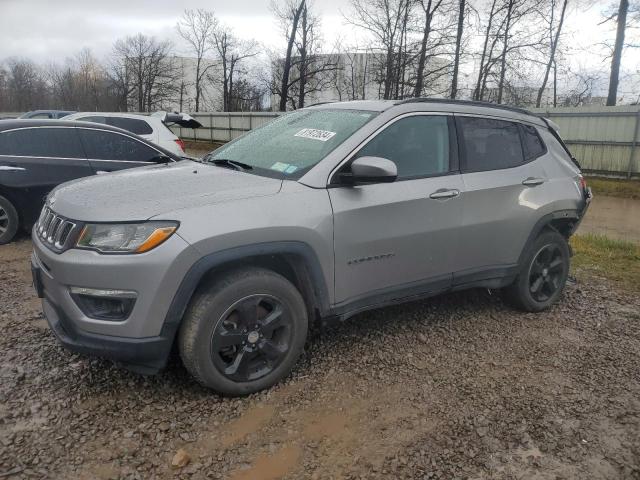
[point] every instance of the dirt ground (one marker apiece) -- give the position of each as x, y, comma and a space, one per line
460, 386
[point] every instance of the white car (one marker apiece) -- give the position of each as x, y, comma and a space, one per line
154, 128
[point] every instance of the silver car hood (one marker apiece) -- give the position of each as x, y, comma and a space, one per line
142, 193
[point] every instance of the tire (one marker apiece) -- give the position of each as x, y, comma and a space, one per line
543, 273
9, 221
255, 306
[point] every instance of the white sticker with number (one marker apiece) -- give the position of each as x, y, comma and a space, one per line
322, 135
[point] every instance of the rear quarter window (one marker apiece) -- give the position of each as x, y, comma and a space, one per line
133, 125
532, 144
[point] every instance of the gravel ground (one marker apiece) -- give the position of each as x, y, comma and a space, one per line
459, 386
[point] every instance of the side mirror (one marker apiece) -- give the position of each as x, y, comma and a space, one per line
371, 170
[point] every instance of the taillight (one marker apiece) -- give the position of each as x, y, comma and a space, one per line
582, 183
180, 143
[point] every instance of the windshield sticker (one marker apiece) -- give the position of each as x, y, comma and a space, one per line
322, 135
291, 169
279, 166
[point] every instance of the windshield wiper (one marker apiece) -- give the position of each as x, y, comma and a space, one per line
224, 162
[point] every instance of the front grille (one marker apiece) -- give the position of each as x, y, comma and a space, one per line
55, 231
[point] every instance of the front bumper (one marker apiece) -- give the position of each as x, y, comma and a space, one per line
143, 341
142, 355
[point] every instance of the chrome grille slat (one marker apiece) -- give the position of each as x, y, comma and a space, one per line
54, 230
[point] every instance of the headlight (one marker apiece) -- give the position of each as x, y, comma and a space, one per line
125, 237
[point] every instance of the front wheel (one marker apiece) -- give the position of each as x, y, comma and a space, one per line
9, 221
543, 273
243, 332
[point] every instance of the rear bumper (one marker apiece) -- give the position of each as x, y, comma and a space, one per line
142, 355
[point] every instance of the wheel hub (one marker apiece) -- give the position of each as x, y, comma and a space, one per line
253, 337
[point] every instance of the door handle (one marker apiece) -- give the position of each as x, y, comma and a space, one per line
533, 181
7, 168
444, 193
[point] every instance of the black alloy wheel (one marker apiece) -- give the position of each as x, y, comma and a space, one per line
546, 272
251, 338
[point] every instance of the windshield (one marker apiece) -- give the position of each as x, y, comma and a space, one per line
293, 143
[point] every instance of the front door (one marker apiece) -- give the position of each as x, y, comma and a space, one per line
35, 160
398, 239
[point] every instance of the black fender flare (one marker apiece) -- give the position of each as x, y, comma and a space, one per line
545, 222
200, 268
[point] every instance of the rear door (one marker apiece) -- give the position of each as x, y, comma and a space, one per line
109, 151
501, 182
34, 160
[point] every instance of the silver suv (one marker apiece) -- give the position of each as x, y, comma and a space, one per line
323, 213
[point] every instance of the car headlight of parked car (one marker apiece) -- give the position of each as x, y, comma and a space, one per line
125, 237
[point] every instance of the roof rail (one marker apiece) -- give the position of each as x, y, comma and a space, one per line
471, 103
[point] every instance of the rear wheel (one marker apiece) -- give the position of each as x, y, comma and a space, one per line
244, 332
9, 221
543, 274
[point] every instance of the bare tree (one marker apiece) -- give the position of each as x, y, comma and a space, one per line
554, 38
196, 27
26, 86
231, 53
387, 21
456, 57
429, 8
143, 72
487, 50
289, 14
614, 78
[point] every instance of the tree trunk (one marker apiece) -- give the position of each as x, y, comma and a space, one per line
303, 60
198, 60
503, 58
456, 59
284, 88
476, 93
617, 53
552, 55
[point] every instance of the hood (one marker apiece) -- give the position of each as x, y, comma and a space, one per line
142, 193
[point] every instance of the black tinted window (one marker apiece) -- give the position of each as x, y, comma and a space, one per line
94, 119
103, 145
532, 143
419, 145
139, 127
42, 142
490, 144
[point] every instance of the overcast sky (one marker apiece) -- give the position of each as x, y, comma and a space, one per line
51, 30
54, 29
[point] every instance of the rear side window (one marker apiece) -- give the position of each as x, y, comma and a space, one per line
133, 125
532, 143
93, 119
103, 145
490, 144
42, 142
418, 145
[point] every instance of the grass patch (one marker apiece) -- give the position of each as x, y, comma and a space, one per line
615, 187
616, 260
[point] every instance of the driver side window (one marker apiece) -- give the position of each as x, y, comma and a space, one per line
418, 145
